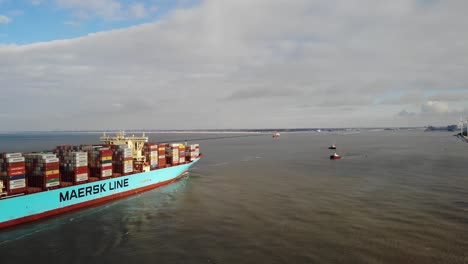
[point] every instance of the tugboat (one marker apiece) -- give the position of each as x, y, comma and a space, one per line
335, 156
276, 135
332, 147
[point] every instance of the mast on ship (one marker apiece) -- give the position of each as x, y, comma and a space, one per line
134, 143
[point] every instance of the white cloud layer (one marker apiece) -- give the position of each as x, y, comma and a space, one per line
245, 64
4, 19
432, 107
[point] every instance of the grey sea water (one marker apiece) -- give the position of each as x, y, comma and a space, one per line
395, 197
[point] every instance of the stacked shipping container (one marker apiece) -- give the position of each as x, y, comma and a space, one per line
12, 173
172, 153
73, 164
162, 155
150, 151
42, 170
192, 152
99, 161
76, 164
181, 153
122, 159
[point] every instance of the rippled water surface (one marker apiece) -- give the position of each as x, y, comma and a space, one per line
395, 197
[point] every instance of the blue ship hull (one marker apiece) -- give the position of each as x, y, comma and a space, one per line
30, 207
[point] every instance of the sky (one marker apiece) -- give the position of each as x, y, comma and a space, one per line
223, 64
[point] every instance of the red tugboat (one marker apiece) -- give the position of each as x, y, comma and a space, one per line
276, 135
335, 156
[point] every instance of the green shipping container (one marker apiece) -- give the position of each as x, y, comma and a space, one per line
53, 180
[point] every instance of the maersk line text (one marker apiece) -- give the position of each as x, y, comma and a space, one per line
95, 189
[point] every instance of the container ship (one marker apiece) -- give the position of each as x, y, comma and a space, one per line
42, 184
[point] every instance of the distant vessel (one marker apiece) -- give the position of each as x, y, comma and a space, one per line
276, 135
332, 147
335, 156
41, 184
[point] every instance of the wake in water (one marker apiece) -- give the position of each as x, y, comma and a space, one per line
219, 164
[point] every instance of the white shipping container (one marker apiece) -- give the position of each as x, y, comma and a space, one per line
106, 173
102, 148
12, 160
182, 160
103, 165
128, 170
76, 154
81, 164
17, 181
17, 184
13, 155
52, 184
162, 157
51, 160
46, 155
81, 177
76, 158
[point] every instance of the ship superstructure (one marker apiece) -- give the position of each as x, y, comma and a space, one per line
134, 143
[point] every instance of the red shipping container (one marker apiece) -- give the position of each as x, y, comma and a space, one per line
50, 167
106, 152
79, 170
15, 169
52, 176
15, 164
17, 172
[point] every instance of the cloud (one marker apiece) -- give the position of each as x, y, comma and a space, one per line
138, 10
263, 93
405, 113
72, 23
460, 95
408, 97
4, 19
434, 107
262, 63
429, 108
